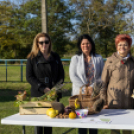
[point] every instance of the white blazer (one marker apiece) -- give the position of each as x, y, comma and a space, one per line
77, 71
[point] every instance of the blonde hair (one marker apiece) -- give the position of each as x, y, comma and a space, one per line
35, 47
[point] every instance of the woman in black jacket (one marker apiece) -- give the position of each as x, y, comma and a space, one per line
43, 70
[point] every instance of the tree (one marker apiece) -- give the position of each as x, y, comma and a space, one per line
103, 20
44, 15
8, 45
26, 20
59, 24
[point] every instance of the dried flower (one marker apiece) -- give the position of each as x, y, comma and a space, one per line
122, 61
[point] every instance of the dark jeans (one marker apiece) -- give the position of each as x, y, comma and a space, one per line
39, 130
47, 130
84, 131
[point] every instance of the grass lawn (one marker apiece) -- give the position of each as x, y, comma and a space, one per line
14, 73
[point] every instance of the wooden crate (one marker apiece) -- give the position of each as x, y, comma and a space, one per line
34, 108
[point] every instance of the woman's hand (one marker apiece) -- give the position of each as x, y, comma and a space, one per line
89, 91
46, 90
105, 107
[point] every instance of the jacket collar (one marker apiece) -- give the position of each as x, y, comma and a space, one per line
41, 58
117, 58
39, 53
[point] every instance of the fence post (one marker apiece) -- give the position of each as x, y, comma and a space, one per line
21, 62
6, 69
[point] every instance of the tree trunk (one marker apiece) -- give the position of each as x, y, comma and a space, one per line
44, 15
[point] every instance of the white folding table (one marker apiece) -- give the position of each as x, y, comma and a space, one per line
119, 119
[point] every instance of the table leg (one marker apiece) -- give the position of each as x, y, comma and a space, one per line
23, 129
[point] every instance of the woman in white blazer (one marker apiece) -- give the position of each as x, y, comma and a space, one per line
85, 68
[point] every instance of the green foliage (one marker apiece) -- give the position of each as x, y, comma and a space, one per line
8, 45
59, 24
49, 96
103, 20
22, 22
71, 48
17, 103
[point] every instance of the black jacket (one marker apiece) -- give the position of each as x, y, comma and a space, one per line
41, 73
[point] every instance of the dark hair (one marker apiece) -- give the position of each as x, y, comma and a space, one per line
85, 36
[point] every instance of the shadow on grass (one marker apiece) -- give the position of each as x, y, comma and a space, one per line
7, 98
66, 93
9, 92
7, 95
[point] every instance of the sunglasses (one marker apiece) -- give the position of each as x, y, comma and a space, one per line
41, 42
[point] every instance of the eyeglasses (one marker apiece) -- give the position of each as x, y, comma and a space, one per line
122, 45
41, 42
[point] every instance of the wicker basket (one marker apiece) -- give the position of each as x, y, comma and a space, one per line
85, 100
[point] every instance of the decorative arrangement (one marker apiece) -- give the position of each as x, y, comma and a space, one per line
79, 105
37, 105
93, 102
